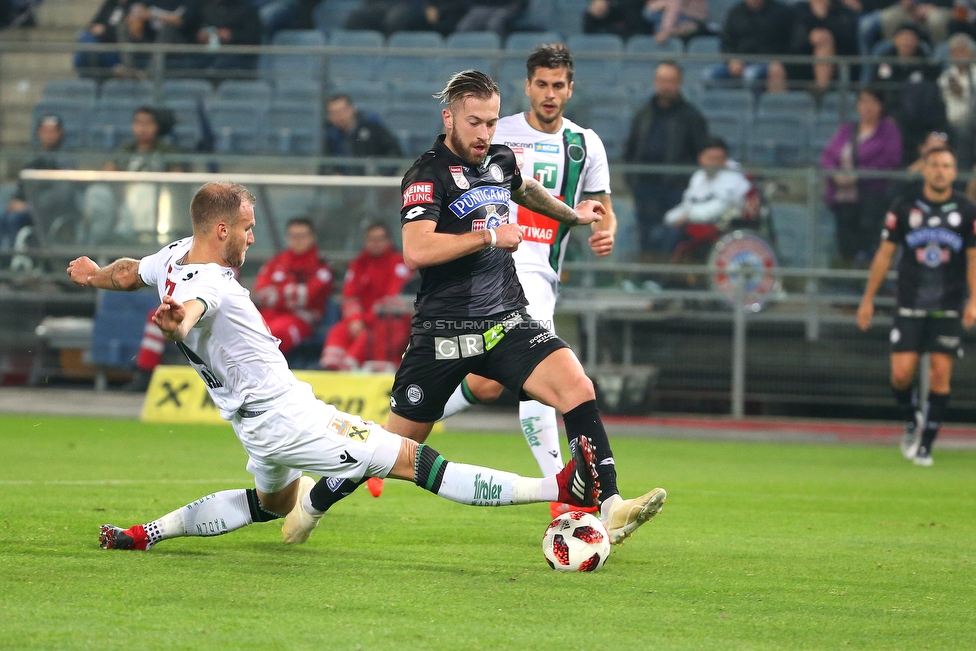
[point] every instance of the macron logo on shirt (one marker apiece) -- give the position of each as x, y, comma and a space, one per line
418, 193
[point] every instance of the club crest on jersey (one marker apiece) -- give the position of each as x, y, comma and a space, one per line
932, 255
418, 193
954, 219
495, 173
478, 197
891, 220
914, 218
457, 173
492, 219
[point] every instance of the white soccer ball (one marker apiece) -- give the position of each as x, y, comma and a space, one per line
576, 542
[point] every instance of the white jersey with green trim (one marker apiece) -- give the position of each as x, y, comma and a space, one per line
230, 347
569, 163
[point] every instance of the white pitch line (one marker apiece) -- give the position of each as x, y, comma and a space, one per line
114, 482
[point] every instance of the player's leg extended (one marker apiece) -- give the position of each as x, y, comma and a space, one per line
903, 364
940, 374
560, 382
473, 390
211, 515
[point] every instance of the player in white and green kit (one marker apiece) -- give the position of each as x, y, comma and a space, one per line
571, 163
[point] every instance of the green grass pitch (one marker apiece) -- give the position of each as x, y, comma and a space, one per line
759, 547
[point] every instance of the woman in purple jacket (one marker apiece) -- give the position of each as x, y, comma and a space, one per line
873, 142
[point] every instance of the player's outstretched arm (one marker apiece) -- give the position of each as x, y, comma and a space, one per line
121, 275
879, 269
424, 247
533, 196
969, 314
175, 319
604, 231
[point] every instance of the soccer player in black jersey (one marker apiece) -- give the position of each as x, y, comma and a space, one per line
471, 315
936, 228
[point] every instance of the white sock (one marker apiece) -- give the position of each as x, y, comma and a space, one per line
212, 515
479, 486
457, 403
542, 435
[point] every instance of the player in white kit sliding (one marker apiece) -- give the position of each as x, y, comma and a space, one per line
571, 163
283, 427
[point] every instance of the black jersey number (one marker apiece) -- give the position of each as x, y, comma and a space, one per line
208, 377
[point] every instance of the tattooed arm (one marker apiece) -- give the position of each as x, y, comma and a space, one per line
533, 196
121, 275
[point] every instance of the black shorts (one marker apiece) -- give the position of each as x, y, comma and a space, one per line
505, 350
927, 334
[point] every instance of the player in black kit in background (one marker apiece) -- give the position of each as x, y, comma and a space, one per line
471, 315
937, 230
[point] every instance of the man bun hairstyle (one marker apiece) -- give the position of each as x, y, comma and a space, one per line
215, 202
552, 56
465, 84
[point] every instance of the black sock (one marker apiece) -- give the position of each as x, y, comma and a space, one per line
937, 407
259, 514
330, 490
585, 420
905, 398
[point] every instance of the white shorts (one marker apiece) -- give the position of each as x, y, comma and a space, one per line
541, 291
299, 432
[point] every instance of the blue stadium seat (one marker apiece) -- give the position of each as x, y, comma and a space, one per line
703, 45
457, 61
413, 66
187, 131
824, 127
841, 105
789, 223
120, 318
778, 140
295, 128
127, 89
184, 89
79, 89
256, 91
355, 66
613, 131
297, 90
111, 123
731, 128
717, 9
371, 96
276, 67
794, 103
517, 49
330, 15
596, 70
640, 72
74, 113
414, 126
416, 94
727, 100
513, 95
239, 126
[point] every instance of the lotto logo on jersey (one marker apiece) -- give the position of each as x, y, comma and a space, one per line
418, 193
545, 173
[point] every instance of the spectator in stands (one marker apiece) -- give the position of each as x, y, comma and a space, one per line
52, 199
292, 288
931, 18
18, 13
228, 22
756, 27
372, 282
622, 17
716, 195
167, 21
136, 217
958, 85
492, 16
108, 26
822, 28
351, 132
407, 15
912, 97
669, 130
934, 140
277, 15
873, 142
675, 18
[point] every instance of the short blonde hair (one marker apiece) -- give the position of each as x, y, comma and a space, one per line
218, 201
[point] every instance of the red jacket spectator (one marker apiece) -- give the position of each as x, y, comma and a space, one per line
370, 289
292, 288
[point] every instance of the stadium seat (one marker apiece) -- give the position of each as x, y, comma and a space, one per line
297, 90
416, 94
606, 122
517, 49
824, 127
731, 128
239, 126
456, 61
640, 72
778, 140
185, 89
703, 45
790, 228
295, 128
74, 113
120, 318
127, 89
355, 66
79, 89
413, 66
111, 122
841, 105
256, 91
374, 96
727, 100
590, 70
794, 103
187, 131
415, 127
330, 15
306, 67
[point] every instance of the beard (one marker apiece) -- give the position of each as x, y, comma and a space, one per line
234, 252
465, 152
